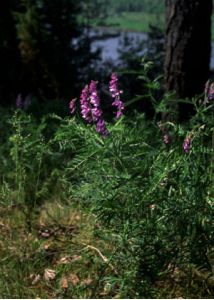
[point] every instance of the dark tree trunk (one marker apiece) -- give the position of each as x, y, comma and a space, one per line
188, 46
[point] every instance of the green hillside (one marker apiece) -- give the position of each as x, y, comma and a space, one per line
131, 15
124, 14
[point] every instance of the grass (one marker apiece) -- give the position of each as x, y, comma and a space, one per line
64, 257
62, 241
133, 21
137, 21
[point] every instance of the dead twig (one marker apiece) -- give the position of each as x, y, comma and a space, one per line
104, 258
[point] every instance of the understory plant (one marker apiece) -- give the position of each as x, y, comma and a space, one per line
151, 185
32, 173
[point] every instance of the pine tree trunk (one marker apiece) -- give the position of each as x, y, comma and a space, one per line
188, 46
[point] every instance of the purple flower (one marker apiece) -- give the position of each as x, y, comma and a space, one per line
186, 144
85, 105
90, 108
72, 106
115, 93
19, 101
209, 91
96, 114
101, 128
165, 134
94, 98
167, 139
96, 110
95, 101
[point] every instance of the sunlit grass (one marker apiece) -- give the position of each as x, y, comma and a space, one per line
135, 21
62, 240
129, 21
138, 21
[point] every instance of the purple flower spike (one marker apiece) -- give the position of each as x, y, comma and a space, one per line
115, 93
101, 128
186, 144
166, 139
96, 113
209, 91
90, 108
72, 106
85, 104
96, 110
95, 101
19, 101
94, 98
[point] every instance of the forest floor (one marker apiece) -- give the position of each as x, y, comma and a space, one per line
63, 255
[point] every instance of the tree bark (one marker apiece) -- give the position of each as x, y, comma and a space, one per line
188, 46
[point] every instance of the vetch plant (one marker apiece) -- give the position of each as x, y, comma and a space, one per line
85, 104
152, 204
115, 92
97, 114
90, 104
209, 91
186, 144
155, 202
94, 101
23, 103
28, 152
72, 106
167, 139
19, 102
101, 128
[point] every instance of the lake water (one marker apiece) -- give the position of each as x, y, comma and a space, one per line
113, 41
110, 45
